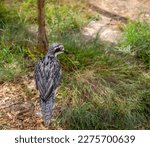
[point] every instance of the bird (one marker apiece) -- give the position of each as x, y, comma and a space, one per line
47, 74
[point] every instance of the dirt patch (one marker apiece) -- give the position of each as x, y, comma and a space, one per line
19, 105
106, 28
113, 14
132, 9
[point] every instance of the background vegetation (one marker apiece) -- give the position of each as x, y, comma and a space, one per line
103, 87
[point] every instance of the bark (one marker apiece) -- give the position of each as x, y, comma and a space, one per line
42, 37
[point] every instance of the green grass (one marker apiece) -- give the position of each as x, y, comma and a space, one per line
106, 96
15, 40
137, 38
101, 88
18, 31
12, 62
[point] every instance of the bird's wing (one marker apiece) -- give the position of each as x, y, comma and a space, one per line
47, 77
52, 71
39, 78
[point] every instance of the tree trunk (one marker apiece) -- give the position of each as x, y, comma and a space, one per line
42, 38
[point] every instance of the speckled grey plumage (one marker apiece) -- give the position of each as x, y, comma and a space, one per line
47, 78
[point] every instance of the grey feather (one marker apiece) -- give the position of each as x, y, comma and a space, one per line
47, 77
47, 109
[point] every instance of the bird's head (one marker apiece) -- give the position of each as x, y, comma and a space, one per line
56, 49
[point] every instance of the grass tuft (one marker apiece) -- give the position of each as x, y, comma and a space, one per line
137, 37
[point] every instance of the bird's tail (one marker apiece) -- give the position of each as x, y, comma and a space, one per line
47, 108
